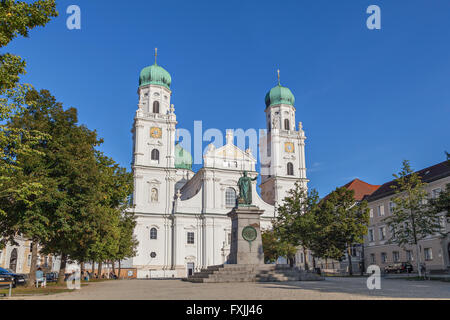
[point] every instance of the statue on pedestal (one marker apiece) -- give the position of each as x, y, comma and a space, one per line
245, 190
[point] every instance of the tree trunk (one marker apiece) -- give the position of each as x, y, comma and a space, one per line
120, 269
93, 268
113, 267
33, 267
100, 264
363, 261
62, 269
82, 267
418, 260
350, 264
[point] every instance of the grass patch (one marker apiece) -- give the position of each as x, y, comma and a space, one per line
24, 291
52, 288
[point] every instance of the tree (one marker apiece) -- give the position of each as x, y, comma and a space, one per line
411, 220
17, 18
127, 240
66, 165
442, 202
274, 247
293, 224
347, 223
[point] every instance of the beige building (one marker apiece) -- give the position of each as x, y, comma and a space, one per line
434, 250
18, 258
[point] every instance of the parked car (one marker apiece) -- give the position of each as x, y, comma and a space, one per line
5, 280
399, 268
18, 279
52, 277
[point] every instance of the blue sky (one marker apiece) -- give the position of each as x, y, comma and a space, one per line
368, 99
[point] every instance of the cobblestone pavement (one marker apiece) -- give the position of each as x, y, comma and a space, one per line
330, 289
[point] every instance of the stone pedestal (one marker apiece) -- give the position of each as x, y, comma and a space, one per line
246, 244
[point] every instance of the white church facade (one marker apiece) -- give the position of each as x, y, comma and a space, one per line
182, 222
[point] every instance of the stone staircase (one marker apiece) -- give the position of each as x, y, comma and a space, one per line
251, 273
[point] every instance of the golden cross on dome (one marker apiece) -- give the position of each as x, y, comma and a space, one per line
156, 54
278, 76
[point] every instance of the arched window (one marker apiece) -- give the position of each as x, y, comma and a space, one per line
230, 198
290, 169
153, 234
154, 195
287, 125
156, 107
155, 155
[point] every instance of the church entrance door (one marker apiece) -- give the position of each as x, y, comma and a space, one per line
190, 269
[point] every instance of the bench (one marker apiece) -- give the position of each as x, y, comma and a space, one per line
6, 285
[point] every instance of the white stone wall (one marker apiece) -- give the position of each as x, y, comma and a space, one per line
196, 203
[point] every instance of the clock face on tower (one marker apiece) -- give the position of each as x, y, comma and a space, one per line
289, 147
155, 132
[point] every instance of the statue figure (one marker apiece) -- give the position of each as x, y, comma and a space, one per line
154, 196
245, 189
275, 123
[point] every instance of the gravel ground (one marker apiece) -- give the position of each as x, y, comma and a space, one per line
330, 289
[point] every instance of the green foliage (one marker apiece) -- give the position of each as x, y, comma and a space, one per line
327, 228
411, 219
18, 18
274, 247
441, 203
80, 212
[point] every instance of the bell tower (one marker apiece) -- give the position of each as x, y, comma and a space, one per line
155, 121
282, 150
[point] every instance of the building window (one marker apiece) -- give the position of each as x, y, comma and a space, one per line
435, 193
153, 234
371, 213
383, 257
393, 235
230, 198
382, 233
156, 107
154, 195
190, 238
391, 207
155, 155
290, 169
409, 256
371, 237
287, 124
372, 258
396, 256
380, 211
229, 237
428, 254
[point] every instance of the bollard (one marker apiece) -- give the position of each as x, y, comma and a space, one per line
10, 289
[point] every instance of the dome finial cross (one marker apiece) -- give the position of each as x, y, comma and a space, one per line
278, 76
156, 54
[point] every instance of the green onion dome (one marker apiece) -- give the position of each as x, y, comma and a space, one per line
279, 95
155, 75
183, 159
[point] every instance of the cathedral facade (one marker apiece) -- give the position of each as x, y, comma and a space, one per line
182, 222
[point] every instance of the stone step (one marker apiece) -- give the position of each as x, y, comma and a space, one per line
251, 273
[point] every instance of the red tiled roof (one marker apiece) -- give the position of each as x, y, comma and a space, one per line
361, 188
